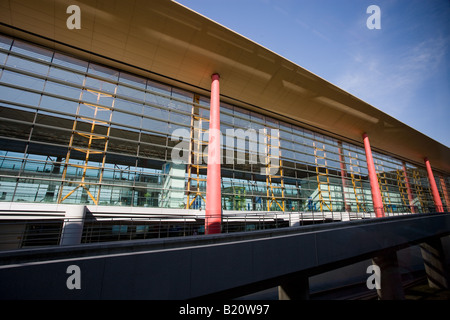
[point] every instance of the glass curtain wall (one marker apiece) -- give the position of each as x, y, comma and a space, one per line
73, 131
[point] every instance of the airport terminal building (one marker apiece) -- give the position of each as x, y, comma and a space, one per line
96, 116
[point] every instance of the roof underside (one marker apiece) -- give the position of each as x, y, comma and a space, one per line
166, 41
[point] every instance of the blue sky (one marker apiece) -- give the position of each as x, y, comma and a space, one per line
402, 69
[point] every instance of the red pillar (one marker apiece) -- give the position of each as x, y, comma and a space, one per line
408, 190
374, 187
213, 215
434, 189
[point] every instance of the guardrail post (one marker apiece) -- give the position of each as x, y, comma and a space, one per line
73, 225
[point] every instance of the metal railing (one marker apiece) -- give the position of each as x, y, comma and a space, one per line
26, 233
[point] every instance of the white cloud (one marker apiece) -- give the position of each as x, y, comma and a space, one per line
399, 84
390, 82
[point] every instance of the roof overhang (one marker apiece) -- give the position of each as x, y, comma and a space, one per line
164, 40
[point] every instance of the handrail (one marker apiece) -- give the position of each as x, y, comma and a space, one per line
48, 231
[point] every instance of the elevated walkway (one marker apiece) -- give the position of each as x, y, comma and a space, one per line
213, 266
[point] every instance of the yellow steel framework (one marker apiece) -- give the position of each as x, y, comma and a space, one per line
320, 157
196, 154
275, 189
384, 188
87, 148
419, 188
401, 182
355, 173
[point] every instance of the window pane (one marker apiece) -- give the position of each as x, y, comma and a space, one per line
133, 80
5, 42
104, 72
12, 129
183, 95
225, 118
122, 146
62, 90
32, 51
19, 96
152, 151
100, 85
14, 112
94, 112
180, 118
158, 88
58, 105
153, 139
54, 120
154, 125
128, 106
70, 62
97, 98
2, 58
155, 112
22, 80
154, 99
51, 135
180, 106
129, 92
126, 119
124, 133
240, 123
27, 65
66, 75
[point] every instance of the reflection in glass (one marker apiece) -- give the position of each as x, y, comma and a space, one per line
19, 96
122, 123
67, 76
32, 50
27, 65
70, 62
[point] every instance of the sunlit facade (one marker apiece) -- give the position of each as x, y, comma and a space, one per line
74, 131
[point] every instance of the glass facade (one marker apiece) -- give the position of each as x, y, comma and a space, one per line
73, 131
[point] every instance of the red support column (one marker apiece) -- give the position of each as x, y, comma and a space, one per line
374, 187
434, 189
213, 214
408, 189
